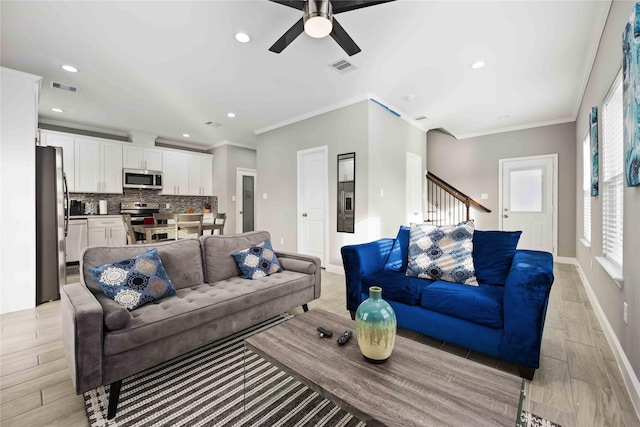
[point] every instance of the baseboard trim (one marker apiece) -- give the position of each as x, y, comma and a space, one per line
628, 375
565, 260
337, 269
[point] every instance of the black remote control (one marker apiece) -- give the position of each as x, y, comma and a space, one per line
345, 337
324, 332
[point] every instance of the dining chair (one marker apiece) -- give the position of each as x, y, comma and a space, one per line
128, 227
188, 224
220, 219
162, 219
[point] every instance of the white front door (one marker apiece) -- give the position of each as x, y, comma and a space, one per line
246, 200
527, 200
312, 201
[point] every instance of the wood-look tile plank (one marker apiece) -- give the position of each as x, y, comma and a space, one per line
551, 384
578, 332
551, 413
595, 406
554, 344
28, 344
585, 363
573, 311
33, 373
76, 418
618, 386
19, 365
20, 406
603, 345
24, 388
57, 391
50, 356
554, 318
12, 337
43, 415
28, 352
630, 418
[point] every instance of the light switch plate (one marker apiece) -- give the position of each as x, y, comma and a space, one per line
484, 196
264, 196
233, 198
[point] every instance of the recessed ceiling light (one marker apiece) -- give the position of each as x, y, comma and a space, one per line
243, 37
409, 98
478, 64
70, 68
58, 110
186, 135
231, 115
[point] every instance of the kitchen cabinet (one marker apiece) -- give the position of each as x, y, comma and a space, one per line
76, 239
200, 175
106, 232
98, 166
140, 157
66, 141
175, 173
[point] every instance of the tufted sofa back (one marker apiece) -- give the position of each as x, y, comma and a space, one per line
182, 260
218, 262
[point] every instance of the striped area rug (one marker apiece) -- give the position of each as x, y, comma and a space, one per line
208, 387
224, 385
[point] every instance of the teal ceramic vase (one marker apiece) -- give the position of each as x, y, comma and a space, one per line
376, 327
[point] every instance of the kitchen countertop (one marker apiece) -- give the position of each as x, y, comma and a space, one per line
94, 216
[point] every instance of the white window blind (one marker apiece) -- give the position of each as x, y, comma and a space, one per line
612, 173
586, 187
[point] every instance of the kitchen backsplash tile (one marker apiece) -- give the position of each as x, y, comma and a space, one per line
178, 204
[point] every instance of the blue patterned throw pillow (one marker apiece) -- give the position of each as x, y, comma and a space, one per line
442, 253
257, 261
136, 281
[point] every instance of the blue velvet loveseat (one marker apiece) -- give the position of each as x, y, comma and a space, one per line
503, 316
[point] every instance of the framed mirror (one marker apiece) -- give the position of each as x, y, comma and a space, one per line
346, 192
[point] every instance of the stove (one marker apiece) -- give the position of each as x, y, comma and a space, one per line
139, 211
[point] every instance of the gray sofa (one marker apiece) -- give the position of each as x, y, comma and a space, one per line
105, 343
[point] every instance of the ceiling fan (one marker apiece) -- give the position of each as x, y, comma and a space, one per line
318, 21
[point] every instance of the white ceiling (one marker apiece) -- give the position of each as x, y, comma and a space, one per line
166, 68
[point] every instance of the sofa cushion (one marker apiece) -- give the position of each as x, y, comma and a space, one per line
115, 315
293, 264
397, 259
201, 304
136, 281
442, 253
480, 304
396, 286
493, 252
257, 261
181, 259
218, 261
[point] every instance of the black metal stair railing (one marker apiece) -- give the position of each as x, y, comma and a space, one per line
447, 205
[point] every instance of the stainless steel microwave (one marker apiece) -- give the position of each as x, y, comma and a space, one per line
142, 179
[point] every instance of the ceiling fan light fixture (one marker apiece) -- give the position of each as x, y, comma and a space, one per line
318, 18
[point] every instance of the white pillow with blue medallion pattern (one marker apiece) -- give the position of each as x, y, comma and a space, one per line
257, 261
136, 281
442, 253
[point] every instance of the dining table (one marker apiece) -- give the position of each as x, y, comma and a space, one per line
150, 230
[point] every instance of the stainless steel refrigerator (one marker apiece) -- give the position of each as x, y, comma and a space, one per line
51, 223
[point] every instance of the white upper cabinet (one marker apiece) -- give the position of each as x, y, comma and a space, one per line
175, 173
98, 166
140, 157
66, 142
201, 174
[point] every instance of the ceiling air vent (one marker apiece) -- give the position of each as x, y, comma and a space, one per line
342, 66
64, 87
421, 118
214, 124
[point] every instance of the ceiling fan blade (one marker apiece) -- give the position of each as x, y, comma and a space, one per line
347, 5
343, 39
296, 4
288, 37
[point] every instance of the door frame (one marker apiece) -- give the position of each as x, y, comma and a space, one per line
324, 149
240, 172
554, 186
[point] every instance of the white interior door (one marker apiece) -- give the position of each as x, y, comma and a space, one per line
246, 200
312, 201
528, 198
414, 176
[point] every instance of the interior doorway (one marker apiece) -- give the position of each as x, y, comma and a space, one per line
527, 200
246, 200
312, 212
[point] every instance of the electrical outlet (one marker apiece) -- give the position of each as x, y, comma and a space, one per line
626, 312
168, 206
282, 240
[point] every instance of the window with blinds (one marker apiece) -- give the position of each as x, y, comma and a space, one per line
586, 187
612, 184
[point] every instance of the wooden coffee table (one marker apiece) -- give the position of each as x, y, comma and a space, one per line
418, 386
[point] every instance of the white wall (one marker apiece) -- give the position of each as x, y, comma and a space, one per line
609, 297
380, 141
18, 118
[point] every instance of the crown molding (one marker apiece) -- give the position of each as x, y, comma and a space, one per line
512, 128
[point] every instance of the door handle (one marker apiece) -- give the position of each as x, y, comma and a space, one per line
240, 212
304, 214
505, 216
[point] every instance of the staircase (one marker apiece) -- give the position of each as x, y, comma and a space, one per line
446, 205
